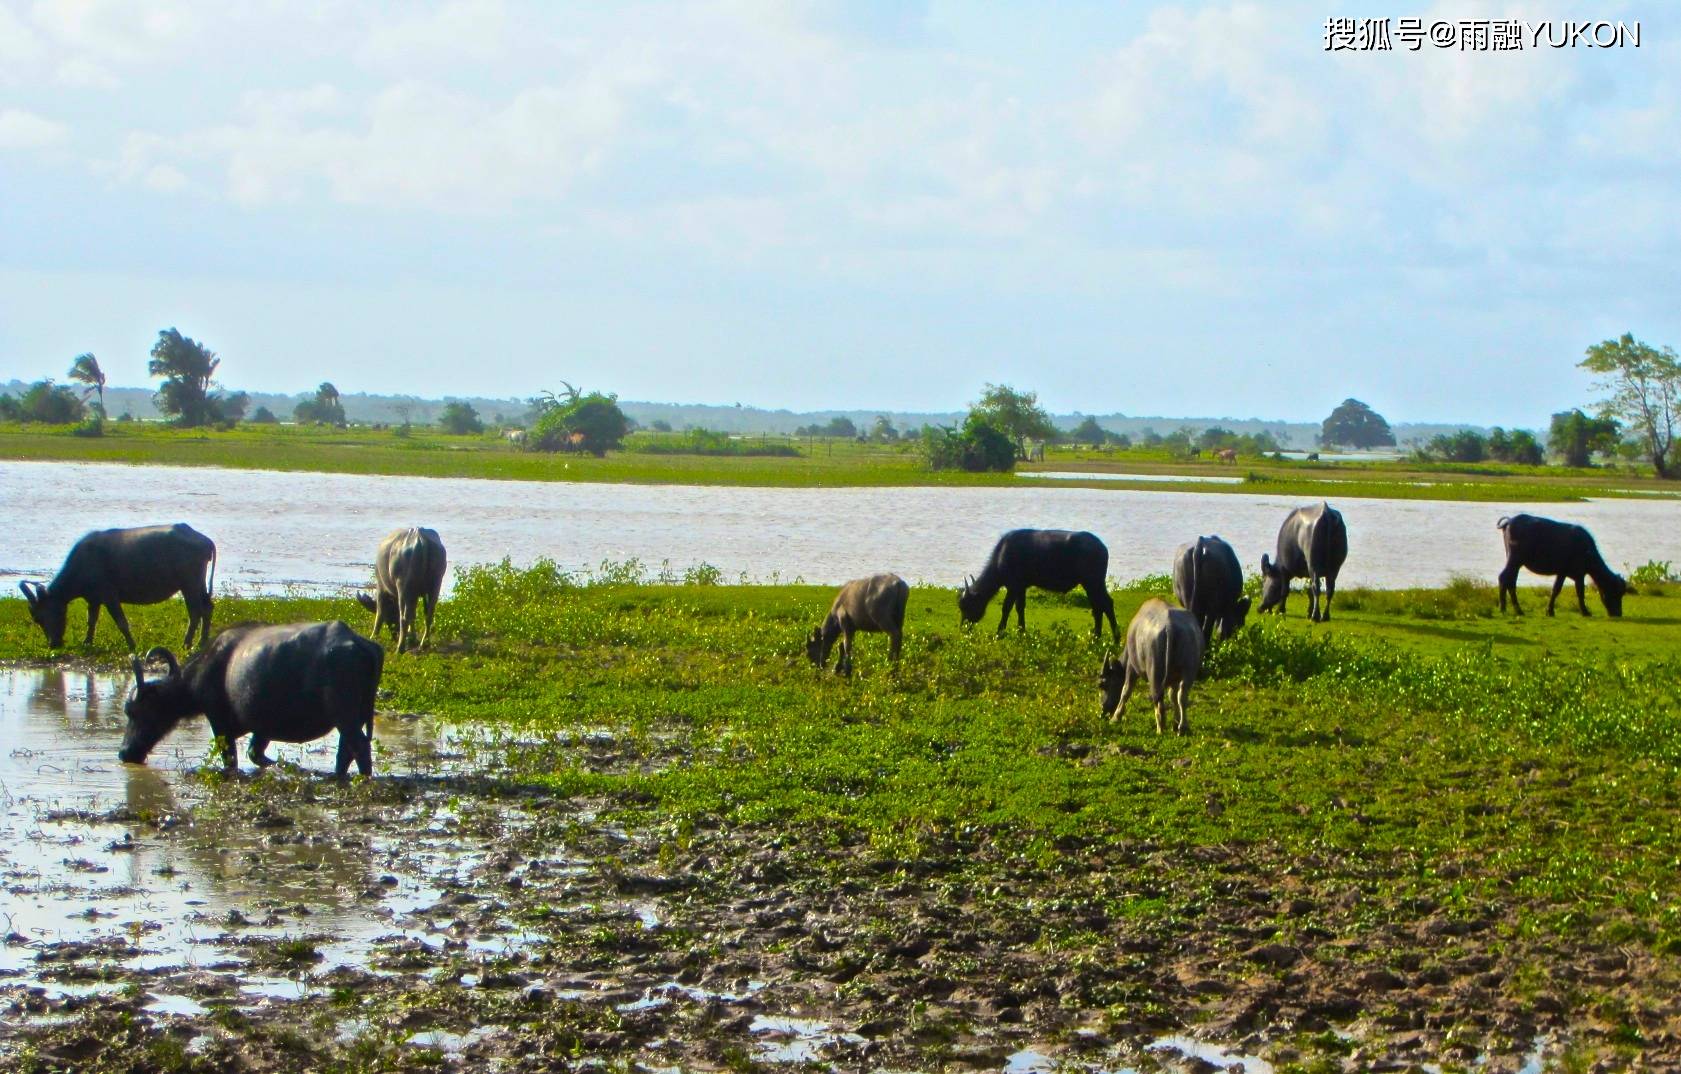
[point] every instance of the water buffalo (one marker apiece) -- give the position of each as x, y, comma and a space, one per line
409, 568
1208, 583
1164, 645
1312, 544
876, 603
1559, 548
111, 568
290, 683
1057, 560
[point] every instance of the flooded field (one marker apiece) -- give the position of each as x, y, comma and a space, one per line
317, 532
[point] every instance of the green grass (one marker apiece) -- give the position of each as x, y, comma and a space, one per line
1531, 761
816, 463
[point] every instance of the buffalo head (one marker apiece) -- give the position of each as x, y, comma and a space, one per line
48, 611
970, 604
1611, 590
1232, 621
1275, 586
814, 647
153, 708
1110, 681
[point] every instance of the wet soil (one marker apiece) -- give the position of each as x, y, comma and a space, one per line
449, 915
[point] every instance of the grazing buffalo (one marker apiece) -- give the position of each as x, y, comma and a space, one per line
1164, 645
291, 683
876, 603
1057, 560
409, 568
1312, 544
1226, 455
1209, 584
111, 568
1559, 548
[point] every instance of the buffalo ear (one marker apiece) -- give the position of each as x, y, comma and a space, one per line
1242, 606
1266, 565
367, 602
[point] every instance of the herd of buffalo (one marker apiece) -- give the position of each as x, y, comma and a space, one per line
295, 682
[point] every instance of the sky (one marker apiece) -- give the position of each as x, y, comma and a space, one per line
1176, 209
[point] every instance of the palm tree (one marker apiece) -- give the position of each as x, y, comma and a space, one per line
86, 370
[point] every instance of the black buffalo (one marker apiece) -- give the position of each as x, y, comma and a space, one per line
1312, 544
290, 683
1208, 583
1565, 549
1057, 560
110, 568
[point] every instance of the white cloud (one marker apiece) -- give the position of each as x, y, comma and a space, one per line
26, 130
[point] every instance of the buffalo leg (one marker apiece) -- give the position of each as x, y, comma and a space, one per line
1558, 584
120, 619
1330, 591
431, 607
1509, 583
350, 749
894, 639
1581, 601
1021, 609
1180, 695
1157, 698
844, 667
93, 617
258, 752
1128, 681
1313, 598
1004, 620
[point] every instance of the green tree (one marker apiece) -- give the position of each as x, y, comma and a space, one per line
1356, 425
187, 368
1645, 387
592, 423
324, 408
85, 369
1089, 432
44, 402
1466, 445
978, 446
1519, 446
264, 416
1017, 415
883, 430
1577, 438
1215, 437
460, 419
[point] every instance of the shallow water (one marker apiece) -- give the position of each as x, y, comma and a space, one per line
93, 851
318, 532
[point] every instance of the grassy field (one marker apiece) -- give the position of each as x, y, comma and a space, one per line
427, 453
1421, 783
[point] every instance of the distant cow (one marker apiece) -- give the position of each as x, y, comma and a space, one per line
291, 683
1312, 544
1057, 560
408, 569
1544, 546
1164, 646
876, 603
1208, 583
1226, 455
111, 568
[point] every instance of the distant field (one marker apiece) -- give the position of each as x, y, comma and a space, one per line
819, 463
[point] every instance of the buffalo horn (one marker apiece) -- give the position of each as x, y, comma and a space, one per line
29, 593
139, 671
160, 653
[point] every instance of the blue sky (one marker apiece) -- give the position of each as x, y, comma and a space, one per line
1173, 209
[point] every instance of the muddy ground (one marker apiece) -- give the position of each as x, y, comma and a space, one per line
432, 918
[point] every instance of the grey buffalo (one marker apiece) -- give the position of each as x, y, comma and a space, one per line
1057, 560
1164, 647
110, 568
290, 683
1544, 546
408, 569
1312, 544
876, 603
1208, 583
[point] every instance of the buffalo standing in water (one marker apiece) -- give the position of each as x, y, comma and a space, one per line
290, 683
1057, 560
111, 568
408, 569
875, 603
1312, 544
1565, 549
